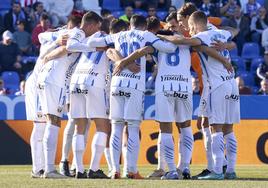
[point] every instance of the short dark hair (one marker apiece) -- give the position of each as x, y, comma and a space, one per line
153, 23
118, 25
138, 21
35, 5
199, 17
105, 25
91, 17
75, 20
187, 9
44, 16
105, 12
171, 16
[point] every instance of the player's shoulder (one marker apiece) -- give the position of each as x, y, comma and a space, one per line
77, 33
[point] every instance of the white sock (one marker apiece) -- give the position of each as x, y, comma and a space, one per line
78, 150
231, 151
50, 143
217, 151
168, 145
37, 146
97, 149
116, 144
160, 153
133, 147
207, 143
67, 139
180, 166
108, 158
187, 141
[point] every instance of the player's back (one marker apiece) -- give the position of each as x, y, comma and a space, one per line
92, 67
214, 70
126, 43
174, 70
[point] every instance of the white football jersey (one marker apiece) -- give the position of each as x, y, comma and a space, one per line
212, 69
92, 68
173, 73
54, 71
127, 42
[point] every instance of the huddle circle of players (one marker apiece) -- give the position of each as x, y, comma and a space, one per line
73, 73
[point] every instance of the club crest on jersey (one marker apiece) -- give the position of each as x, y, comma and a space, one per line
176, 94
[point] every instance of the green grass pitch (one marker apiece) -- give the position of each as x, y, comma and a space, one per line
249, 176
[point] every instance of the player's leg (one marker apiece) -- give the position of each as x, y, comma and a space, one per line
97, 147
218, 115
107, 154
118, 123
37, 152
231, 151
186, 148
133, 112
79, 114
66, 146
184, 109
124, 150
78, 145
168, 150
52, 102
229, 136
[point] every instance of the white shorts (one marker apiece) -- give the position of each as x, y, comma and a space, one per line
203, 104
172, 106
52, 98
91, 102
126, 104
224, 103
32, 102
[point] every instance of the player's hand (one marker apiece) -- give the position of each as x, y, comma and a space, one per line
62, 40
134, 67
228, 66
218, 45
17, 65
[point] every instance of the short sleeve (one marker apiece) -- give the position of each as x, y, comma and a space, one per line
110, 39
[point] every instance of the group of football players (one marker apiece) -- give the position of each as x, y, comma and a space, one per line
98, 74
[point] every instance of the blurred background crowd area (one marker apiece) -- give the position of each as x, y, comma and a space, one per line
21, 21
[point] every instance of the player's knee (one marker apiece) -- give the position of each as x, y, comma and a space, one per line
227, 129
165, 127
184, 124
118, 122
133, 123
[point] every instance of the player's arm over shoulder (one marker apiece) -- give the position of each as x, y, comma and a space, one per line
181, 40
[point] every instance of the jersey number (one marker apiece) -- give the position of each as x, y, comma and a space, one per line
127, 49
173, 59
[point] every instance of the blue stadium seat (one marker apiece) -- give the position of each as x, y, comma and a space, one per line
161, 15
5, 4
255, 63
11, 80
248, 78
141, 12
250, 50
234, 52
111, 4
118, 13
261, 2
238, 63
